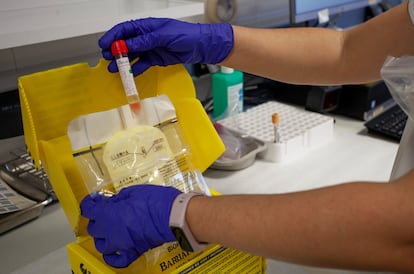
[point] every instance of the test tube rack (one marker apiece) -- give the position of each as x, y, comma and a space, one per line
299, 130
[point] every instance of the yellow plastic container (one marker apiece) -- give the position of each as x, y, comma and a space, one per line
51, 99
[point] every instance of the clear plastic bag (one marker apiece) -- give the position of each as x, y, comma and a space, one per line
398, 74
113, 151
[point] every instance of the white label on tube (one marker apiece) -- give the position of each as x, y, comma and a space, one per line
127, 77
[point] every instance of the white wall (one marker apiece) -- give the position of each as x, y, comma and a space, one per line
39, 35
35, 36
28, 59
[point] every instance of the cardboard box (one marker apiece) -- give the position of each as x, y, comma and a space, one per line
51, 99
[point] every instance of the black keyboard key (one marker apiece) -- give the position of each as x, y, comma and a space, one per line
389, 123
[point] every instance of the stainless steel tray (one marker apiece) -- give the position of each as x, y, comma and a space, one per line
22, 176
249, 150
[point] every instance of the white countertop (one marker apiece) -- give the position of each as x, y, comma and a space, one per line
39, 246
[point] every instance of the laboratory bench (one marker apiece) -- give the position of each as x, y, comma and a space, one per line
352, 154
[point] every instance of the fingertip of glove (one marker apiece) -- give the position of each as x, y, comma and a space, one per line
107, 54
99, 242
139, 67
88, 203
85, 206
120, 259
113, 67
102, 43
105, 41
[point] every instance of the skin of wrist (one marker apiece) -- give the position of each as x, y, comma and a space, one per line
195, 210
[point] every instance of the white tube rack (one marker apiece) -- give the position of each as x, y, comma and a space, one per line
298, 129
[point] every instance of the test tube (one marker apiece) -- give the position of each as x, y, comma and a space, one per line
275, 122
120, 52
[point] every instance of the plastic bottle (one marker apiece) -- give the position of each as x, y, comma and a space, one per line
227, 87
120, 52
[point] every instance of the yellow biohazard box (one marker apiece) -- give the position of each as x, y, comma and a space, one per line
51, 99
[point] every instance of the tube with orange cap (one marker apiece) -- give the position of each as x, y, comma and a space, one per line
275, 122
120, 52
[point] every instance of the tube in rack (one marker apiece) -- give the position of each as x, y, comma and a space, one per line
275, 122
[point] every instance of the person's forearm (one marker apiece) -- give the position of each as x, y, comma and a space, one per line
296, 55
354, 226
320, 56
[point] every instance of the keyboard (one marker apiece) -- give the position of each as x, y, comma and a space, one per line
389, 124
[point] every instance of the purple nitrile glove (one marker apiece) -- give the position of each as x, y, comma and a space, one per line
128, 224
163, 41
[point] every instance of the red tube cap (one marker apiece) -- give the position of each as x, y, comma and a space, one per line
119, 47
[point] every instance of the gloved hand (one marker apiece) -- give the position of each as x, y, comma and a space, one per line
162, 41
128, 224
